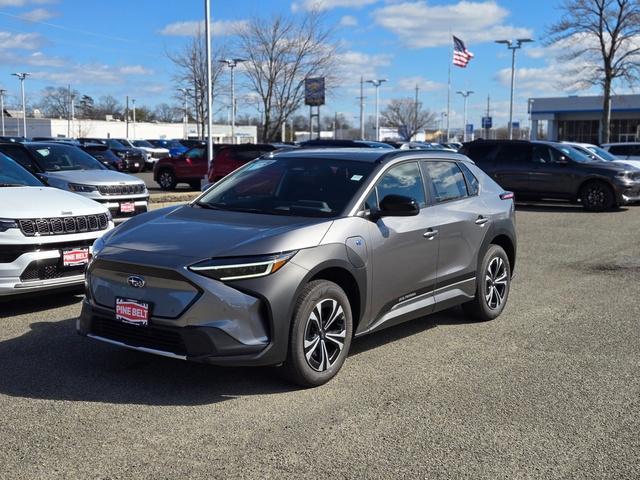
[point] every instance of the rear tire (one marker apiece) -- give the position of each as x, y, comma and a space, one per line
167, 180
320, 334
597, 196
492, 286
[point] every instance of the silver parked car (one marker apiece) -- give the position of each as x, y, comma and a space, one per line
69, 168
291, 256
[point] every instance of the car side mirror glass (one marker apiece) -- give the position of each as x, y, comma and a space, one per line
398, 206
562, 160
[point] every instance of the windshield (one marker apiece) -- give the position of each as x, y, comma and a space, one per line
55, 158
574, 154
602, 153
13, 175
125, 142
306, 187
142, 143
115, 144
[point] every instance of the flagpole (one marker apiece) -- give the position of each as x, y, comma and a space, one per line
449, 84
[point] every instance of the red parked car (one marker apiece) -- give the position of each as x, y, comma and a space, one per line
191, 166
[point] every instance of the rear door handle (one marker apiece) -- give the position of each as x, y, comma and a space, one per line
481, 220
430, 234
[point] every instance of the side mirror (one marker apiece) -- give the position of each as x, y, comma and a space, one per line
562, 160
398, 206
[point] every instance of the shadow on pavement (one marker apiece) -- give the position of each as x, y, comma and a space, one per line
560, 207
52, 362
26, 304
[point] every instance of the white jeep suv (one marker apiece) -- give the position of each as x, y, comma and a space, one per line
46, 234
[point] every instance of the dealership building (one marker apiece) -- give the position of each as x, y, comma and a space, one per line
577, 118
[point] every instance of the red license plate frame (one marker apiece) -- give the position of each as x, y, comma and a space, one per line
132, 311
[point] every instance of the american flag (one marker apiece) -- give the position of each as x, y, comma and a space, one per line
461, 55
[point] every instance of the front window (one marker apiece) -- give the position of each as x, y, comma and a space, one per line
446, 181
306, 187
115, 144
573, 154
404, 179
142, 143
125, 142
13, 175
55, 158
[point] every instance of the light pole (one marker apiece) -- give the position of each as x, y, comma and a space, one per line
133, 103
232, 63
22, 76
513, 45
2, 92
207, 28
377, 83
185, 117
530, 109
465, 94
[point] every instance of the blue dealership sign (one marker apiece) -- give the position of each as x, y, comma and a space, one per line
515, 125
469, 128
487, 122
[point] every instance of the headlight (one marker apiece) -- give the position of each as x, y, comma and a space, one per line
6, 224
241, 268
121, 154
76, 187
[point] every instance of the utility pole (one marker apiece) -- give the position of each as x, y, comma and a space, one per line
377, 83
513, 45
488, 130
126, 116
465, 94
207, 26
361, 98
417, 108
69, 111
22, 76
232, 63
2, 93
133, 102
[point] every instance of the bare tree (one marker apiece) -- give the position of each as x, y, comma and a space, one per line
168, 113
191, 64
605, 33
108, 105
281, 52
56, 102
407, 116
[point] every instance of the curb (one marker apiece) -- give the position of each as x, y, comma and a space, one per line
172, 197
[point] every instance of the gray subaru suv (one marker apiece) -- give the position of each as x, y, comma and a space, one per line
287, 259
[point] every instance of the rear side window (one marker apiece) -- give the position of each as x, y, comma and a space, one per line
514, 154
19, 155
481, 153
404, 179
446, 181
623, 150
473, 186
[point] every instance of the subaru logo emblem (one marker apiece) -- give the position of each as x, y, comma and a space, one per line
136, 281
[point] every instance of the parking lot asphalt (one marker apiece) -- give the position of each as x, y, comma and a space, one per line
548, 390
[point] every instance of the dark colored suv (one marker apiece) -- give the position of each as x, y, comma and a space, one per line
134, 159
547, 170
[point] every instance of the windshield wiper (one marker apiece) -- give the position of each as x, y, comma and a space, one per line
207, 206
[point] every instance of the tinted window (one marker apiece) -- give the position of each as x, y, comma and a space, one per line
54, 158
481, 153
514, 154
195, 153
405, 180
541, 154
19, 155
11, 174
446, 181
622, 149
473, 186
290, 186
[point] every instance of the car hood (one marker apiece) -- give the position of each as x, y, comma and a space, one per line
164, 151
197, 234
91, 177
44, 202
614, 166
632, 163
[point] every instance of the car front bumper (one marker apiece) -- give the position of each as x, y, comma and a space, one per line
192, 317
628, 193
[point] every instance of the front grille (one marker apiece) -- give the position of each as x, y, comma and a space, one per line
49, 270
157, 155
133, 189
162, 339
63, 225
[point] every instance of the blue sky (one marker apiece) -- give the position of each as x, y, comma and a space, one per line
118, 47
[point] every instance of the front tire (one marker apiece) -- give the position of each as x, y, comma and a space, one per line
492, 286
597, 197
320, 334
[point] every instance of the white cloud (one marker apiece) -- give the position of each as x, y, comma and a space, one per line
92, 74
189, 28
348, 21
38, 15
23, 3
134, 70
425, 85
353, 65
321, 5
24, 41
421, 25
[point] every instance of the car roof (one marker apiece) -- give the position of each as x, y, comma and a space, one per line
369, 155
633, 144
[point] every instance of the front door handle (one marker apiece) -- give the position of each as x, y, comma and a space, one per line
481, 220
430, 234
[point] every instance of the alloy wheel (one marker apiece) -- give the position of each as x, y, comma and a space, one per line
596, 196
324, 334
166, 179
496, 279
